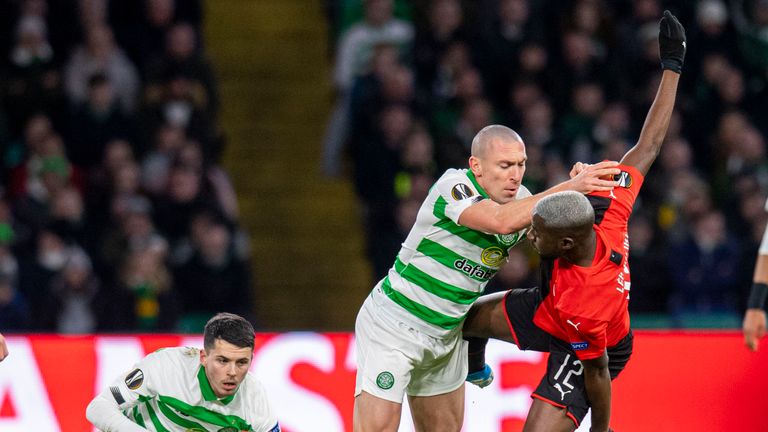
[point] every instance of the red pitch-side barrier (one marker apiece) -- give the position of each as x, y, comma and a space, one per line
676, 381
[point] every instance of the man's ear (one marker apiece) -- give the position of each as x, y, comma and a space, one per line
474, 165
567, 243
202, 357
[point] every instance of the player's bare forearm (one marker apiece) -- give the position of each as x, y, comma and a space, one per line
672, 48
642, 155
491, 217
597, 380
754, 325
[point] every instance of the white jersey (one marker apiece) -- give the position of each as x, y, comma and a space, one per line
443, 267
168, 391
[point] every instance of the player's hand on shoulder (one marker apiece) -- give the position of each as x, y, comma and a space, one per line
482, 378
577, 168
594, 177
754, 328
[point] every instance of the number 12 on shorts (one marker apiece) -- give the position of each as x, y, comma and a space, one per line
565, 382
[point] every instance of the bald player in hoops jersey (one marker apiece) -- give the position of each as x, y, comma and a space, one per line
189, 389
408, 331
579, 315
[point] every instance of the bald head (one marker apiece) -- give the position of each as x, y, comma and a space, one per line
490, 133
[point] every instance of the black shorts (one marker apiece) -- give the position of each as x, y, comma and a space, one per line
563, 383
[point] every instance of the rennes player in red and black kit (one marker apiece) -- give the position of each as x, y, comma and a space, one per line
580, 314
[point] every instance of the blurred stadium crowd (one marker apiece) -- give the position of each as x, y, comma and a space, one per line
114, 214
417, 79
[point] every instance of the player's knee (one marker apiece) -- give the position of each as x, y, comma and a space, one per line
444, 422
372, 414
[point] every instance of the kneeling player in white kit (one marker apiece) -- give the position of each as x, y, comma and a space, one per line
189, 389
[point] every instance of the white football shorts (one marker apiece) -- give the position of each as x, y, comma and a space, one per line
394, 359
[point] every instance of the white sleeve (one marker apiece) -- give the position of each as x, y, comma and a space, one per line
106, 410
260, 408
458, 192
106, 415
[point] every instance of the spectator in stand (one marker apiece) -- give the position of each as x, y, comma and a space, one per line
100, 55
455, 146
94, 123
499, 42
74, 301
141, 26
650, 293
19, 153
156, 165
131, 229
46, 182
67, 215
38, 267
179, 103
466, 87
186, 195
191, 155
445, 26
375, 173
215, 273
32, 81
706, 266
146, 297
577, 126
355, 50
182, 55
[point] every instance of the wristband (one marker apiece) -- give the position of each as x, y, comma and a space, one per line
757, 296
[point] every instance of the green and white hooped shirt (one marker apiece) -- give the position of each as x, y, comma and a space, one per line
443, 267
168, 391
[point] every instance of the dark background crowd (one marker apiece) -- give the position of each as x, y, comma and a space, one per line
114, 214
416, 80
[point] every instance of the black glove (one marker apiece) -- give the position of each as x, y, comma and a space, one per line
671, 43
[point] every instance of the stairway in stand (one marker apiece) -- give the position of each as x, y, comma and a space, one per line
273, 70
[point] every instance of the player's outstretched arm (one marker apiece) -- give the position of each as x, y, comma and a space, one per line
672, 46
494, 218
597, 380
755, 319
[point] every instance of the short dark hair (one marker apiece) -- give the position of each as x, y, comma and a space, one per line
230, 328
